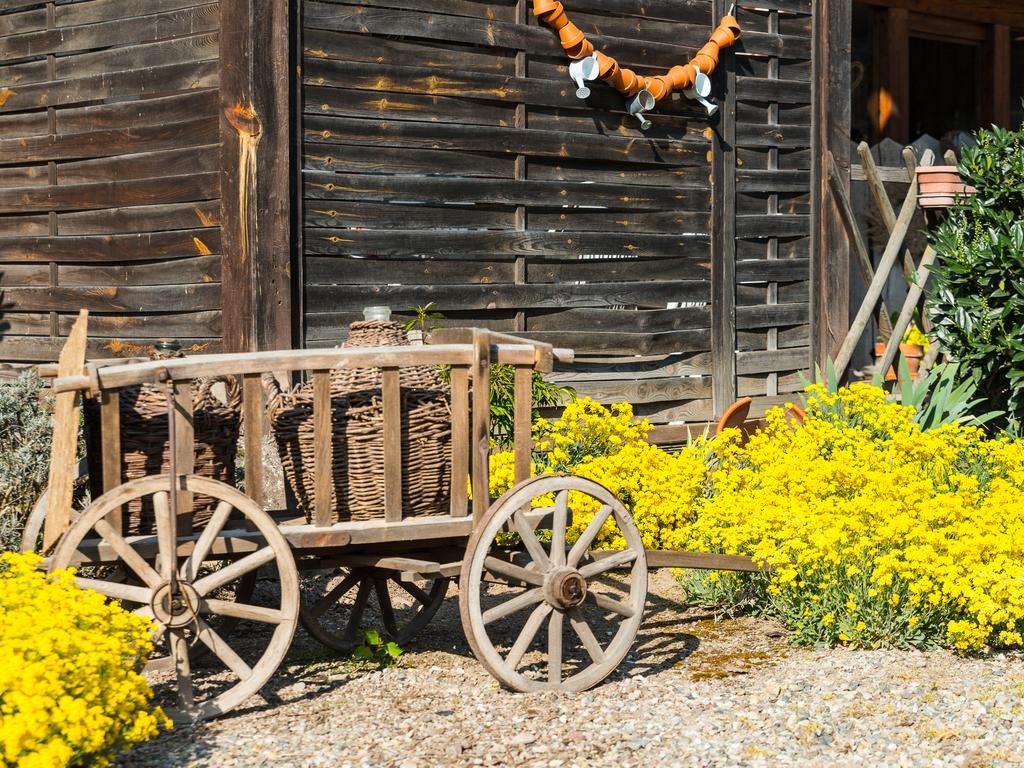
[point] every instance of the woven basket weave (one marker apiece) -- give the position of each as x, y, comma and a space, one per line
145, 446
357, 419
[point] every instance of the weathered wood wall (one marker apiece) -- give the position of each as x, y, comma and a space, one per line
109, 174
446, 159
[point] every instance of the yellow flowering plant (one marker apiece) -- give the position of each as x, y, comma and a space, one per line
876, 530
71, 692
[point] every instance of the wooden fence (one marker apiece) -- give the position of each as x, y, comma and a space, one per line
109, 174
446, 159
233, 193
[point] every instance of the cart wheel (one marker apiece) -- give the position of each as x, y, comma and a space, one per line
205, 583
508, 592
403, 608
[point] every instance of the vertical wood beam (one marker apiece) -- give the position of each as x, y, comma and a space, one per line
893, 49
830, 259
184, 438
723, 234
480, 440
522, 419
460, 440
323, 441
998, 111
392, 395
256, 199
253, 415
110, 448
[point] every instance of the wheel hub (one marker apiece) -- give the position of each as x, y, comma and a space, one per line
565, 588
175, 610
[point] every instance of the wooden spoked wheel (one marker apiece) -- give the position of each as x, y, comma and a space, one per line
509, 591
30, 534
337, 605
208, 586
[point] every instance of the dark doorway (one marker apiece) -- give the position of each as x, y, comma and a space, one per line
944, 86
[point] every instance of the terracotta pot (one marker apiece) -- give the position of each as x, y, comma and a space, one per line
890, 375
912, 350
939, 185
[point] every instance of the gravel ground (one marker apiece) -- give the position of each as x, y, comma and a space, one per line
693, 692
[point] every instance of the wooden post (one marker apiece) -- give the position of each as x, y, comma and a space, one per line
184, 438
480, 442
909, 305
253, 415
522, 439
65, 436
323, 462
460, 440
874, 291
391, 390
255, 184
999, 76
881, 198
723, 237
894, 75
830, 260
110, 449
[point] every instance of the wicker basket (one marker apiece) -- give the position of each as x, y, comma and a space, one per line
357, 418
145, 446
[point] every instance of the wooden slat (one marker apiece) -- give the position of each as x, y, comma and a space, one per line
110, 449
523, 421
185, 438
253, 416
392, 396
480, 442
460, 440
323, 442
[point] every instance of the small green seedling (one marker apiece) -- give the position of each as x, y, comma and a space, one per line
375, 649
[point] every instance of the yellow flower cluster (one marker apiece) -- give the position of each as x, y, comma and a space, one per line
70, 688
877, 531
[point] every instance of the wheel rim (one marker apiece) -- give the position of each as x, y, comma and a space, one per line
590, 618
338, 604
236, 674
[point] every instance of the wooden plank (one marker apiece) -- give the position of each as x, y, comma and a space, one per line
772, 225
641, 294
522, 437
253, 416
178, 298
392, 396
108, 194
771, 89
114, 85
175, 108
752, 135
185, 458
86, 249
110, 448
118, 32
367, 188
144, 218
460, 440
723, 241
181, 50
484, 138
497, 244
480, 442
342, 158
323, 437
64, 447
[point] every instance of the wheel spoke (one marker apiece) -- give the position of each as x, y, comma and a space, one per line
355, 619
387, 611
131, 558
223, 651
241, 611
587, 537
112, 589
190, 568
421, 597
555, 647
231, 572
599, 566
586, 636
517, 603
513, 572
334, 595
529, 631
529, 539
182, 671
167, 549
608, 604
558, 523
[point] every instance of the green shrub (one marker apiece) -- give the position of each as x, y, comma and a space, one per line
976, 296
25, 433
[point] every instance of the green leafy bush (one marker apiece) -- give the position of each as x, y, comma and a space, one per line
976, 296
25, 433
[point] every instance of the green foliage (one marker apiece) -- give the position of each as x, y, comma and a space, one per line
25, 433
423, 319
375, 649
938, 399
976, 296
503, 397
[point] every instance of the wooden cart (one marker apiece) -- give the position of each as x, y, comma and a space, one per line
540, 607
